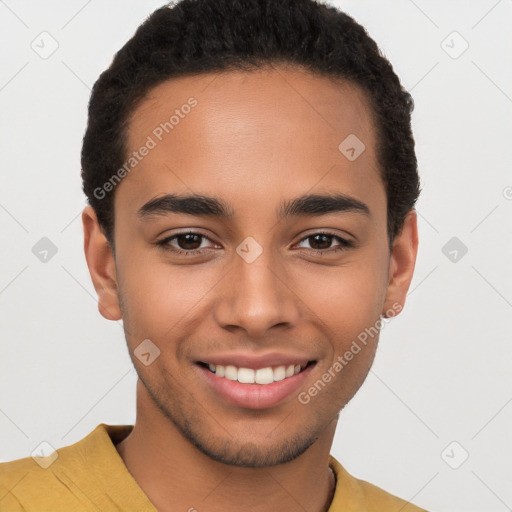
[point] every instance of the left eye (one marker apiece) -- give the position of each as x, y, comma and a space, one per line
325, 240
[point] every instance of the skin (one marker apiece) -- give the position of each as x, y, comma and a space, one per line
253, 140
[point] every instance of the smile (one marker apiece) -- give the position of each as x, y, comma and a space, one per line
263, 376
254, 388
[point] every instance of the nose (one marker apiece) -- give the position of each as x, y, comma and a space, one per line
256, 297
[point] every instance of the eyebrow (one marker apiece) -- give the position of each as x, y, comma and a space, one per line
200, 205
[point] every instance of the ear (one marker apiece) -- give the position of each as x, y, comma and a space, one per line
101, 263
401, 264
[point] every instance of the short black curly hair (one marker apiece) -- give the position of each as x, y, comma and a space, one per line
201, 36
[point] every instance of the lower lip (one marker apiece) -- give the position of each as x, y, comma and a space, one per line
255, 396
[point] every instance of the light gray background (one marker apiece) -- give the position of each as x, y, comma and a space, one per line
442, 371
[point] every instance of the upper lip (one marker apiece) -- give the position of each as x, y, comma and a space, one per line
254, 361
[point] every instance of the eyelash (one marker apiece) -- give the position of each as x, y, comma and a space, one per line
344, 244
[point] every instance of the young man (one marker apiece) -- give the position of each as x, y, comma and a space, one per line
251, 176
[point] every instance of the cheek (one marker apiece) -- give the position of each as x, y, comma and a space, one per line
157, 297
347, 298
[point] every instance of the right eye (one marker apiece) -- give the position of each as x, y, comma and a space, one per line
184, 239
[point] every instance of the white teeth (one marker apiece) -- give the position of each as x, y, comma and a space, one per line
279, 373
264, 376
246, 375
249, 376
231, 373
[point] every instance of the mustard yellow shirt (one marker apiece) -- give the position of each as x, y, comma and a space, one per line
91, 476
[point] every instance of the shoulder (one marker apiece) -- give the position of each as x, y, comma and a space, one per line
68, 478
22, 481
353, 494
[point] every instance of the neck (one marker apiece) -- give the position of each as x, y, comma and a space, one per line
175, 475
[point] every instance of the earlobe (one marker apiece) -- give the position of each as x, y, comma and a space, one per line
401, 265
101, 263
108, 304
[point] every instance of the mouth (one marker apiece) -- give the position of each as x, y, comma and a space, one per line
255, 388
263, 376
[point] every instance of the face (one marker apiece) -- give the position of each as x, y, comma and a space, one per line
253, 254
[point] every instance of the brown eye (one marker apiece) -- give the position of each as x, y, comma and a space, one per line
322, 242
189, 241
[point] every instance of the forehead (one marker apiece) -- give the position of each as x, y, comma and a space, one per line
269, 130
